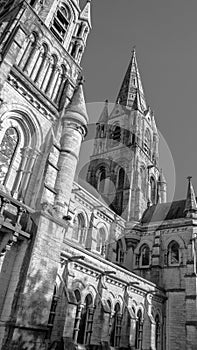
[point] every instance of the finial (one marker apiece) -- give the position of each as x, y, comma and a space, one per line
134, 48
189, 178
106, 101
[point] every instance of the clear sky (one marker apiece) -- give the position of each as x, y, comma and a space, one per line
165, 36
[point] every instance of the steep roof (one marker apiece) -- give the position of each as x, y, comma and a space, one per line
131, 93
86, 13
77, 104
164, 211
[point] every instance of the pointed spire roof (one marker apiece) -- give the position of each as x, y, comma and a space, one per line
104, 115
86, 13
190, 204
132, 86
77, 105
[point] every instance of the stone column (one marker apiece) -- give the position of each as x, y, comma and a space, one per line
72, 135
32, 60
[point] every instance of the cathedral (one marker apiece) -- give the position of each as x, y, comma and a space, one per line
98, 263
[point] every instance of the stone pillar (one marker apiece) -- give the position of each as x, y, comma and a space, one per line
71, 139
32, 59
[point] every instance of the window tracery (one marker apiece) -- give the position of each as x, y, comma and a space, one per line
86, 322
79, 229
8, 149
61, 22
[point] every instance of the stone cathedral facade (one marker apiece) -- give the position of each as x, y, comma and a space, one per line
105, 263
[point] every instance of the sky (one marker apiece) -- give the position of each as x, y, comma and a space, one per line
165, 36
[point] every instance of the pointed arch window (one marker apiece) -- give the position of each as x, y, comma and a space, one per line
61, 22
8, 149
79, 228
101, 180
139, 331
101, 239
52, 312
153, 190
145, 255
86, 322
157, 332
116, 327
77, 315
173, 254
119, 252
115, 135
147, 142
120, 179
143, 180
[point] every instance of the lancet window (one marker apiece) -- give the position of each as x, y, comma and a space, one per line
86, 322
139, 331
61, 22
8, 149
116, 327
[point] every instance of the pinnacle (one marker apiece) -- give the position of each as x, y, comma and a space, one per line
104, 115
77, 105
190, 205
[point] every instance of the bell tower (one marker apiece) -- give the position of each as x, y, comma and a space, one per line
124, 166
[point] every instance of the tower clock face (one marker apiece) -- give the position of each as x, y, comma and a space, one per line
5, 6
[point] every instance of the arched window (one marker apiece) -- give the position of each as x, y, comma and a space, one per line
116, 327
77, 315
61, 22
143, 180
8, 149
115, 135
79, 229
85, 327
119, 252
120, 179
145, 255
139, 331
157, 332
173, 253
52, 311
101, 180
153, 190
147, 142
101, 238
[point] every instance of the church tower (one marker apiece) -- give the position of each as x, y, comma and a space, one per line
124, 167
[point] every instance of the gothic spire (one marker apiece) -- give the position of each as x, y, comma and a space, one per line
190, 204
86, 13
77, 104
131, 92
104, 115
